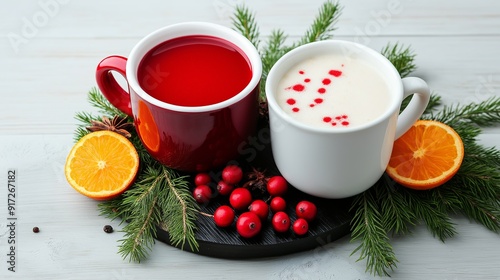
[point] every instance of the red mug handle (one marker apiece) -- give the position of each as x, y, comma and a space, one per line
108, 85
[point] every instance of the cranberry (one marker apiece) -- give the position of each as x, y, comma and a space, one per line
240, 198
248, 224
232, 174
300, 226
202, 193
277, 186
281, 222
277, 204
224, 216
306, 210
201, 179
260, 208
224, 188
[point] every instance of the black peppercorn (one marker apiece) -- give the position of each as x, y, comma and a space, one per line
108, 229
36, 230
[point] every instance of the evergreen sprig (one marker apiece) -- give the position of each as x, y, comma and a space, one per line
323, 25
244, 22
321, 29
159, 197
401, 57
369, 228
474, 191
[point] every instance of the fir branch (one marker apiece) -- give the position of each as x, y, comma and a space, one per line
367, 226
323, 25
145, 214
273, 51
402, 58
394, 217
84, 120
97, 100
321, 29
148, 202
483, 114
475, 188
180, 213
160, 197
436, 218
484, 212
244, 22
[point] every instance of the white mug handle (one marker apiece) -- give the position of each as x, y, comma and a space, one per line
417, 105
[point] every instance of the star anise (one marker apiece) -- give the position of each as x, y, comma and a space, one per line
256, 179
117, 124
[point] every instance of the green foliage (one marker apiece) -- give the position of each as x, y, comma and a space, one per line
244, 22
401, 57
159, 196
321, 29
474, 191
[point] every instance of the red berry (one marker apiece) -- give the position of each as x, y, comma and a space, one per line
281, 222
232, 174
224, 188
277, 186
201, 179
224, 216
300, 226
202, 193
277, 204
248, 224
240, 198
260, 208
306, 210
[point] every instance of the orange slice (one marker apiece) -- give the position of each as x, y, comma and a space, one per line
426, 156
102, 165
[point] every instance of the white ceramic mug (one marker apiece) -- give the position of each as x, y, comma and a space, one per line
339, 163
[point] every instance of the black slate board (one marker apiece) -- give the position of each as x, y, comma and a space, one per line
332, 222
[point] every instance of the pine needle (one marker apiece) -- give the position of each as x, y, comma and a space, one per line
180, 212
368, 228
148, 202
244, 22
401, 57
324, 24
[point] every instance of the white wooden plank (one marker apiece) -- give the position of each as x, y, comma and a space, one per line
56, 18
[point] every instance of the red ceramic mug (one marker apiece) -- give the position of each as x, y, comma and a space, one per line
177, 126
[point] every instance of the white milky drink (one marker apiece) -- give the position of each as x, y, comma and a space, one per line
333, 91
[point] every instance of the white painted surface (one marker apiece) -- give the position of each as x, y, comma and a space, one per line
45, 77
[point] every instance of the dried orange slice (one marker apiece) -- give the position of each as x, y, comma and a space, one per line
102, 165
426, 156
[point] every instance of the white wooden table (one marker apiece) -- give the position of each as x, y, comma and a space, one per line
48, 53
